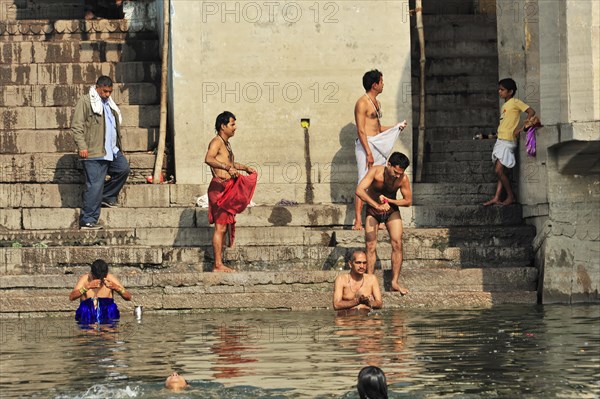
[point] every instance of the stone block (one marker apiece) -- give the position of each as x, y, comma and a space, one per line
18, 74
48, 218
248, 301
17, 118
36, 141
40, 195
465, 215
186, 194
149, 217
300, 215
16, 53
139, 139
145, 196
10, 219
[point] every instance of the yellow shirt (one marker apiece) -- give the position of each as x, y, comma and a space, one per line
509, 118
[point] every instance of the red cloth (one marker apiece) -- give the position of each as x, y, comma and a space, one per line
228, 198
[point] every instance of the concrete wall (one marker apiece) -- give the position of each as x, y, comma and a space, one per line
551, 49
274, 63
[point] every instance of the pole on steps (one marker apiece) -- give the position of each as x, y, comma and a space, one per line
421, 139
162, 136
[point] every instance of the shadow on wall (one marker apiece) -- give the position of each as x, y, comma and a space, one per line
342, 181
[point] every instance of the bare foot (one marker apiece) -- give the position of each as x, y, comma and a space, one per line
397, 288
508, 201
493, 201
222, 269
357, 226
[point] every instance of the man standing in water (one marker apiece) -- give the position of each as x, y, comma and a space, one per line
375, 142
229, 193
378, 189
356, 290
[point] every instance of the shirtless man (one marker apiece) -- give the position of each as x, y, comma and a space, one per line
356, 291
367, 114
221, 161
378, 189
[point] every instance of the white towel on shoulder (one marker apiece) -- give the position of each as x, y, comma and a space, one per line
381, 147
97, 107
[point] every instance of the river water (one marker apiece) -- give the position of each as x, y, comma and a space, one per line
502, 352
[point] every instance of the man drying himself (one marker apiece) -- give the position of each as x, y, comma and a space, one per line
378, 189
229, 193
375, 142
356, 290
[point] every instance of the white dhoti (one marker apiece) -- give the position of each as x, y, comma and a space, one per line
381, 148
504, 151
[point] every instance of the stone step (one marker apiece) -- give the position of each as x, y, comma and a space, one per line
39, 118
452, 193
39, 259
437, 238
56, 95
69, 195
441, 133
63, 168
61, 140
457, 19
458, 168
269, 290
473, 47
438, 102
473, 29
453, 66
475, 280
33, 52
258, 216
79, 73
459, 151
66, 237
457, 84
469, 145
467, 215
463, 117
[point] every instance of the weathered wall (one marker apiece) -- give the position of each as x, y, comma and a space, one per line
274, 63
551, 49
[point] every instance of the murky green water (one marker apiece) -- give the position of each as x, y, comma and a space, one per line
504, 352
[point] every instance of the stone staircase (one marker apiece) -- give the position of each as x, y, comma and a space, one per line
457, 253
462, 101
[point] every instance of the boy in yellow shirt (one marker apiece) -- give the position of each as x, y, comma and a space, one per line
503, 154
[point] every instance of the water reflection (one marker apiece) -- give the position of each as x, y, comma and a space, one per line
231, 349
551, 351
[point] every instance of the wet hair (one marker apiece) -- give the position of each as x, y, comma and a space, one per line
99, 269
223, 119
509, 84
372, 383
104, 81
399, 159
356, 252
370, 78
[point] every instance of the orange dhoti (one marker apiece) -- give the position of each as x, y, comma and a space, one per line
227, 198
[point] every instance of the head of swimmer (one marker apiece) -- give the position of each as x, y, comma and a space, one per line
175, 382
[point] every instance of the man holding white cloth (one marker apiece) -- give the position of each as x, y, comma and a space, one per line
375, 142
